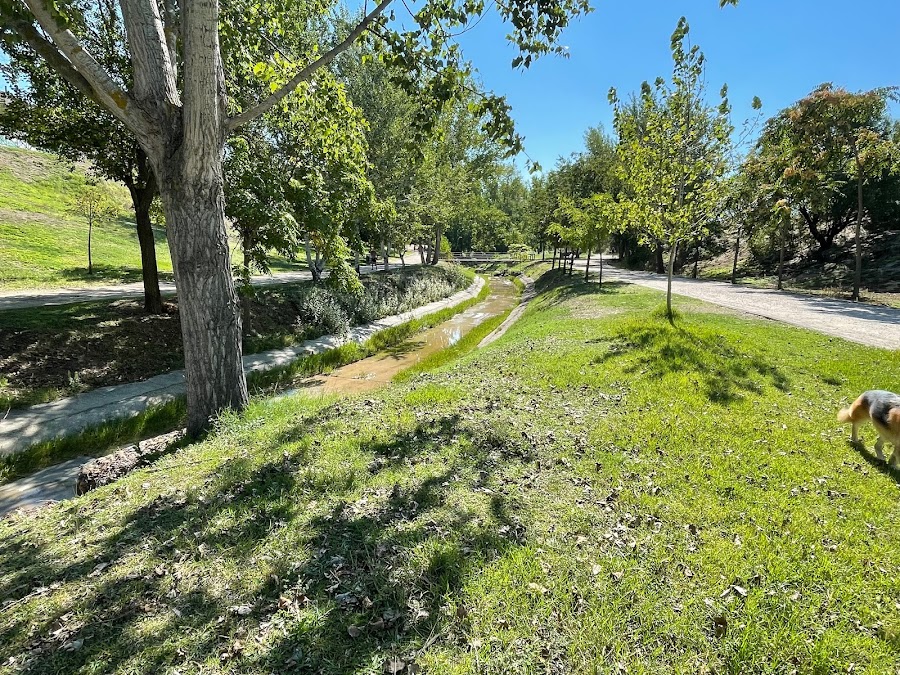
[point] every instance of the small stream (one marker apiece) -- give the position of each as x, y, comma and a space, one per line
376, 371
57, 482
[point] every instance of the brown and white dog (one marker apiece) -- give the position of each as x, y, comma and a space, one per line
882, 408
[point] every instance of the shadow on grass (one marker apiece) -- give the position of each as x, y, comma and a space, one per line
339, 569
658, 348
105, 273
880, 465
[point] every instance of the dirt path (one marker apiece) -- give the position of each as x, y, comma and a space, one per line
858, 322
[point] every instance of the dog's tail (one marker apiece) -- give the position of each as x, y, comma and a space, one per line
844, 416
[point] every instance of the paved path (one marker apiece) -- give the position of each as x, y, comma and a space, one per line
28, 426
45, 297
859, 322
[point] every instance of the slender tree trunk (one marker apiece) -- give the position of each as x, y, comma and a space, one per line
90, 235
149, 270
600, 280
587, 267
553, 264
696, 259
385, 254
669, 313
660, 266
310, 263
781, 251
857, 276
436, 251
402, 255
422, 252
737, 249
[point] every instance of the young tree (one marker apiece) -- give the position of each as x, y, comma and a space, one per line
179, 110
94, 204
674, 155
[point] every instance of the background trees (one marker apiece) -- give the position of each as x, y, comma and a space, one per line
821, 153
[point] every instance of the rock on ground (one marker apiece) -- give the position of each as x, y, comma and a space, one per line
109, 468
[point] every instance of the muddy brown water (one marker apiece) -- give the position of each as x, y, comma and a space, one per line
376, 371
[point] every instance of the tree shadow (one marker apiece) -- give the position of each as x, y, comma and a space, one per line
659, 348
880, 465
109, 273
135, 603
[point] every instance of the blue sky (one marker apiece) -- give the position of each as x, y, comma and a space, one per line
778, 50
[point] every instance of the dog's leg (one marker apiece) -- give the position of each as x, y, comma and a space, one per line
853, 435
895, 456
879, 444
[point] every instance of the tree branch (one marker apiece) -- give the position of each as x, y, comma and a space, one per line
25, 32
307, 72
107, 92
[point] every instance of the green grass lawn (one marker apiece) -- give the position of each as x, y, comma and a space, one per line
595, 492
42, 243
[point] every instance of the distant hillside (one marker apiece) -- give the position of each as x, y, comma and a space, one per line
42, 243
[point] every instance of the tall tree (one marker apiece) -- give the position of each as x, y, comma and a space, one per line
824, 150
674, 155
179, 111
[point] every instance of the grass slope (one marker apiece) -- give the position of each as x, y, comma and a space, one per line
43, 244
596, 492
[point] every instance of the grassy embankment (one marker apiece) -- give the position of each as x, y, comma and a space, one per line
169, 416
597, 491
44, 244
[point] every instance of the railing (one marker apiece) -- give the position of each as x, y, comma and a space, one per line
486, 256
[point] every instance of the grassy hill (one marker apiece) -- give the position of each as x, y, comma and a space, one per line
42, 243
595, 492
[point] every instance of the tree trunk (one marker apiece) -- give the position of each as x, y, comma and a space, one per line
600, 280
149, 270
672, 252
436, 251
696, 259
90, 235
422, 252
857, 276
385, 253
587, 267
781, 251
660, 266
737, 249
553, 263
208, 304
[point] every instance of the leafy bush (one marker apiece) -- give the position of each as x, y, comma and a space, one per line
321, 312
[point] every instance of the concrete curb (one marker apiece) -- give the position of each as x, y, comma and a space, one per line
20, 429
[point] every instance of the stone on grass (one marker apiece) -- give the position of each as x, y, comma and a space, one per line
109, 468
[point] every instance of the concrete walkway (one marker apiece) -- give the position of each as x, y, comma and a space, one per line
855, 321
28, 426
47, 297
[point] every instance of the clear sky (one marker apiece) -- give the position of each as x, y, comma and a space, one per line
778, 50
